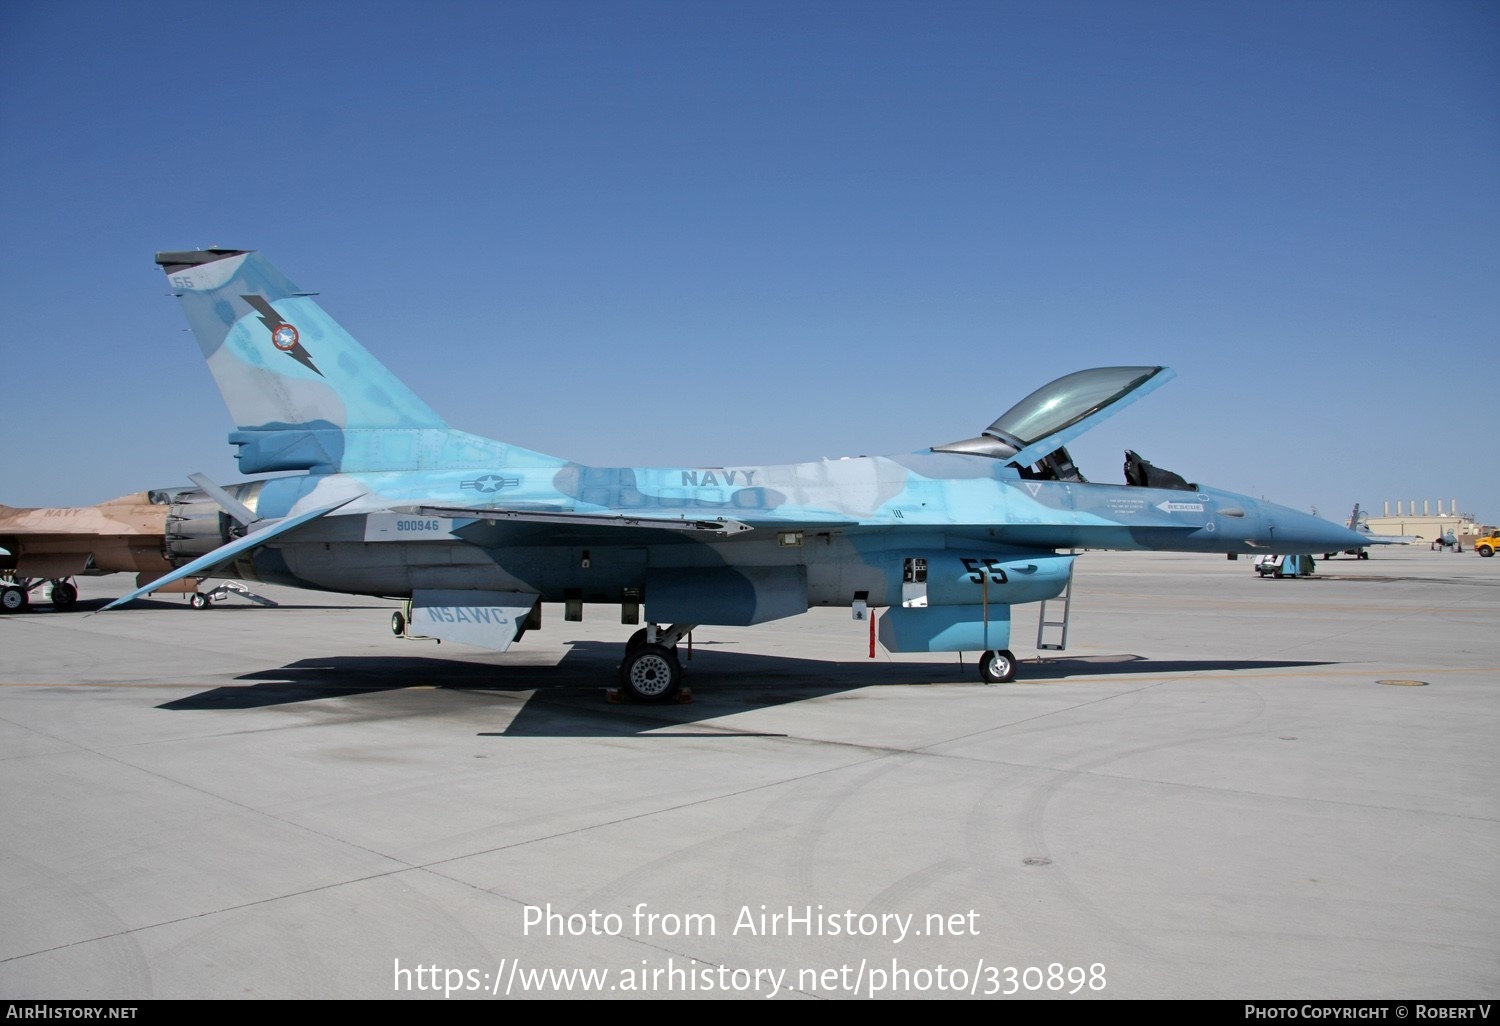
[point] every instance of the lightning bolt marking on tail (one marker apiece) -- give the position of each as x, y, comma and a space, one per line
272, 320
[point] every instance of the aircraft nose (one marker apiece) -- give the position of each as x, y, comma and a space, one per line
1293, 532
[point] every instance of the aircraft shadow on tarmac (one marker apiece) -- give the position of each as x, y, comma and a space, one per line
570, 698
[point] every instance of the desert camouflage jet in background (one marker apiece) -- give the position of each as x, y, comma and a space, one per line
52, 546
387, 499
146, 533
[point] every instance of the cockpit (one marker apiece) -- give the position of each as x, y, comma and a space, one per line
1032, 435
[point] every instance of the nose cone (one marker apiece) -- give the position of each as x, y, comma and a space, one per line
1288, 531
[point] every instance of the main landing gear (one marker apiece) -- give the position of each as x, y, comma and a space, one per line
651, 671
64, 595
15, 593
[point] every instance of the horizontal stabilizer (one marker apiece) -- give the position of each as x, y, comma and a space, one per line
224, 553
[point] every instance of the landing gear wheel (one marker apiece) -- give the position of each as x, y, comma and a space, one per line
13, 599
997, 667
651, 673
635, 641
398, 624
64, 595
200, 600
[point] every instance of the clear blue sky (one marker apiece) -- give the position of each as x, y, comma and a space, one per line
722, 233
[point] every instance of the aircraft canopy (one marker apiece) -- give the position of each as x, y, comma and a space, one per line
1060, 411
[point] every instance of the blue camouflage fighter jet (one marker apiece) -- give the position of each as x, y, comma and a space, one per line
380, 496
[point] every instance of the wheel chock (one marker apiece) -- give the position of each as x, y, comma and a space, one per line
617, 696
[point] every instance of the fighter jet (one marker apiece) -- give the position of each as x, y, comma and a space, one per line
146, 533
53, 546
1354, 523
383, 497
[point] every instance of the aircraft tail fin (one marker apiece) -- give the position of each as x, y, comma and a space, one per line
304, 394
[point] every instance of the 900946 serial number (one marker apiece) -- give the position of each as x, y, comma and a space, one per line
405, 527
419, 525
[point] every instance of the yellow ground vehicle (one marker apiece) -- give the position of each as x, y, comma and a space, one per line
1487, 545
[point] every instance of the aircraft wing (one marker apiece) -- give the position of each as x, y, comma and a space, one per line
225, 553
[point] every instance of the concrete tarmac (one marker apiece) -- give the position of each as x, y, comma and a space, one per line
1226, 787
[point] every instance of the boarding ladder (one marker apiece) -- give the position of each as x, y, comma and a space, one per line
1061, 626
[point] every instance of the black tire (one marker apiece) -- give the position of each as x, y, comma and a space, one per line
13, 599
398, 624
997, 667
1485, 550
635, 641
200, 600
651, 673
64, 595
